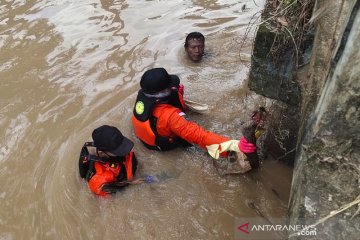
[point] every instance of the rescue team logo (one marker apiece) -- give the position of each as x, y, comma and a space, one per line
139, 107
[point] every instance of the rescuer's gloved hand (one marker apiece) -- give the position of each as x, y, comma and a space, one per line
223, 149
245, 146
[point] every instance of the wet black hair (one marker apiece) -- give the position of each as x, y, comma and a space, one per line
194, 35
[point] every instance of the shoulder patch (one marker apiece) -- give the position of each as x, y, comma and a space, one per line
139, 107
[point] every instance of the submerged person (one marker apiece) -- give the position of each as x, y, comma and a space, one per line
159, 120
194, 46
108, 163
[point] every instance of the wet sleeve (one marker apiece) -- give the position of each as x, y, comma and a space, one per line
114, 187
192, 132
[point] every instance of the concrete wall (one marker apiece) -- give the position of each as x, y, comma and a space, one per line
327, 169
327, 162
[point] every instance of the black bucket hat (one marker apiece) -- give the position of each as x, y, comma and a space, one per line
158, 79
110, 139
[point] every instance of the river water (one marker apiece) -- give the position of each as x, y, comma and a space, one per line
67, 67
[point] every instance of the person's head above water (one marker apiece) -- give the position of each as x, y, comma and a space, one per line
194, 46
156, 80
110, 140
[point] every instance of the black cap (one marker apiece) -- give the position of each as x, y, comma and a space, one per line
158, 79
109, 139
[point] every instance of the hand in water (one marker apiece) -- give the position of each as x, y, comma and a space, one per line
149, 179
157, 177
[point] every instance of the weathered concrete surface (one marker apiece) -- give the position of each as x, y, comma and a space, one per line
271, 77
327, 163
280, 138
330, 17
274, 75
327, 169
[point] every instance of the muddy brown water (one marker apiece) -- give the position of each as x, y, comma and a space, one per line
67, 67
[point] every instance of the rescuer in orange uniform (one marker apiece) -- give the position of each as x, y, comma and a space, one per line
107, 163
159, 120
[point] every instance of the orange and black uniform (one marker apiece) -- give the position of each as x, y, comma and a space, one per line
106, 177
160, 123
